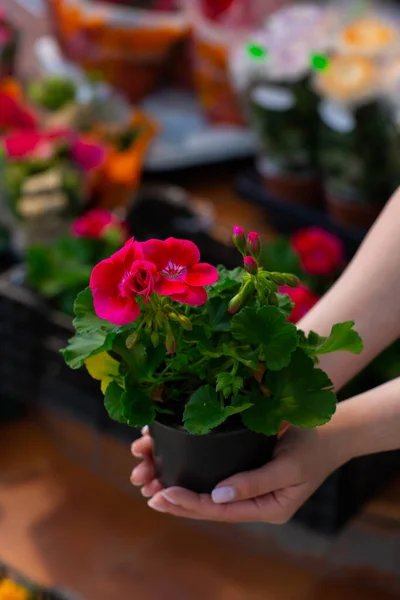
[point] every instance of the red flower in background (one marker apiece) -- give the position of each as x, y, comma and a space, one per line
182, 277
303, 298
12, 114
96, 223
31, 143
212, 9
321, 253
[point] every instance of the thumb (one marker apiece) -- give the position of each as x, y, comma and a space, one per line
276, 475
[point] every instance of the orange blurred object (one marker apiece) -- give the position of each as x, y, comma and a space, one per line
129, 47
114, 183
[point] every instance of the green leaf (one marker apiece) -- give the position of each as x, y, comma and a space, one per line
228, 280
264, 415
86, 320
229, 384
342, 338
218, 313
143, 362
137, 407
113, 403
267, 330
285, 303
81, 347
302, 394
104, 368
204, 411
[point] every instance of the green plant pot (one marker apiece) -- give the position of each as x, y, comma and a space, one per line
359, 160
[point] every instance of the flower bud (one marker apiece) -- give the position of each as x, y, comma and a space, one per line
235, 304
185, 322
291, 280
155, 338
170, 343
278, 278
239, 239
132, 339
250, 265
253, 244
273, 300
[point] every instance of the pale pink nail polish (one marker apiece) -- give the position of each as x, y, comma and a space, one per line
169, 498
152, 504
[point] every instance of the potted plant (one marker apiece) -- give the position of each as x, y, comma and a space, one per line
204, 356
357, 140
272, 72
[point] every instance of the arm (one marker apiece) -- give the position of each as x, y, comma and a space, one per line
368, 293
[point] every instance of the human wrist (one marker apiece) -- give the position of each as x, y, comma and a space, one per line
342, 435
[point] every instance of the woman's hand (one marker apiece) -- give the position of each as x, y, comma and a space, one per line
273, 494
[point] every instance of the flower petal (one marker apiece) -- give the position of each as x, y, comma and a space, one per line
168, 287
156, 252
201, 274
182, 253
194, 296
116, 310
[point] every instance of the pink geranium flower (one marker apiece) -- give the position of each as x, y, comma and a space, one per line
181, 276
116, 281
304, 300
321, 253
96, 223
36, 144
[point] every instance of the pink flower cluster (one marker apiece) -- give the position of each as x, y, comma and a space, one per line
321, 253
96, 223
140, 269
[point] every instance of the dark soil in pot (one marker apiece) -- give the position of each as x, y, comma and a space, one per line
353, 214
200, 462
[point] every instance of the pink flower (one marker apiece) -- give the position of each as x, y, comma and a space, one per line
181, 276
253, 244
238, 231
87, 154
5, 35
303, 298
35, 144
321, 253
116, 281
96, 223
239, 239
250, 264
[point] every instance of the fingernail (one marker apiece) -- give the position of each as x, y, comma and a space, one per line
169, 498
137, 454
152, 504
223, 495
145, 430
145, 494
135, 480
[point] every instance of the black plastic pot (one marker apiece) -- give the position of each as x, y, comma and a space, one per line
199, 462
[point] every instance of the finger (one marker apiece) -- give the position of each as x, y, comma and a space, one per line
143, 473
142, 448
151, 489
182, 503
278, 474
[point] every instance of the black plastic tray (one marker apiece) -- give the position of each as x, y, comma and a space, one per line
288, 218
32, 370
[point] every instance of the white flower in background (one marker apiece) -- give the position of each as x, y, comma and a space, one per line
282, 51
